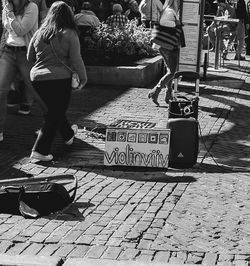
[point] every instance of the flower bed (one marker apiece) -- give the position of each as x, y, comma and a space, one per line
117, 46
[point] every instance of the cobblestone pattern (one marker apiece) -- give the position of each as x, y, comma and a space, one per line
196, 216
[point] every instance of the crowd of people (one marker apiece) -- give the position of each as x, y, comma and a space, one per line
43, 54
40, 49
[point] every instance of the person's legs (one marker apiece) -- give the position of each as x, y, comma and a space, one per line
240, 35
211, 36
56, 96
173, 65
7, 72
27, 88
154, 93
248, 42
171, 62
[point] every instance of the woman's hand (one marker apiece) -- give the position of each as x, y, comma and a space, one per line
80, 87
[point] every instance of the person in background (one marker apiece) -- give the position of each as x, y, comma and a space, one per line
247, 2
133, 11
117, 19
169, 52
16, 95
243, 25
42, 9
74, 4
55, 52
150, 12
87, 23
87, 17
224, 9
20, 21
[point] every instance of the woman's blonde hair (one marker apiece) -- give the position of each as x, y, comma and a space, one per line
59, 16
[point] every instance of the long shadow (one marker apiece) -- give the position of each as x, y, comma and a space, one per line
241, 69
20, 130
230, 147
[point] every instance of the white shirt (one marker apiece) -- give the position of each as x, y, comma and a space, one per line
12, 38
150, 9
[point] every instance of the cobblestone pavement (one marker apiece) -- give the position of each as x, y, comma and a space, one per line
200, 215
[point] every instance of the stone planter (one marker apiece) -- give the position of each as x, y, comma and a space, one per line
140, 75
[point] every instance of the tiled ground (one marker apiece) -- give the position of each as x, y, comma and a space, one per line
200, 215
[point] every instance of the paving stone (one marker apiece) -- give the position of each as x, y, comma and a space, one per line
17, 249
48, 249
32, 249
113, 241
39, 237
210, 259
144, 258
128, 254
95, 252
5, 245
85, 240
63, 250
162, 256
79, 251
145, 244
112, 253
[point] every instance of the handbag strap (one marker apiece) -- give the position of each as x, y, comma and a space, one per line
74, 188
53, 49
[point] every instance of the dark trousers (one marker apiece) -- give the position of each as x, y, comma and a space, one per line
248, 43
56, 96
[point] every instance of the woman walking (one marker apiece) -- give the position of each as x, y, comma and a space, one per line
55, 52
169, 20
20, 21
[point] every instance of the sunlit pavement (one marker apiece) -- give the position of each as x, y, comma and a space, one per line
194, 216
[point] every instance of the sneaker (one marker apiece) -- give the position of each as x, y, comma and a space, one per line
24, 109
75, 129
1, 136
38, 156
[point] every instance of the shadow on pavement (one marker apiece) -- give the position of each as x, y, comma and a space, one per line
230, 146
236, 67
19, 134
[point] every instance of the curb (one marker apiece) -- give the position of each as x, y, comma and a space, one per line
28, 260
106, 262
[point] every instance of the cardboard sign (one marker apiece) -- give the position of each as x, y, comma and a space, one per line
137, 147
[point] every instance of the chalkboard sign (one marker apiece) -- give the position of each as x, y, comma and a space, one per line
191, 15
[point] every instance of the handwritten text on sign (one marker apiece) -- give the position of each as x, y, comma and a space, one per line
137, 147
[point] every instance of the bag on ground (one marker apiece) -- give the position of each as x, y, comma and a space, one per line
36, 199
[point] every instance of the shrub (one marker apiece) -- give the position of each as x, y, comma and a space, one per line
115, 46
